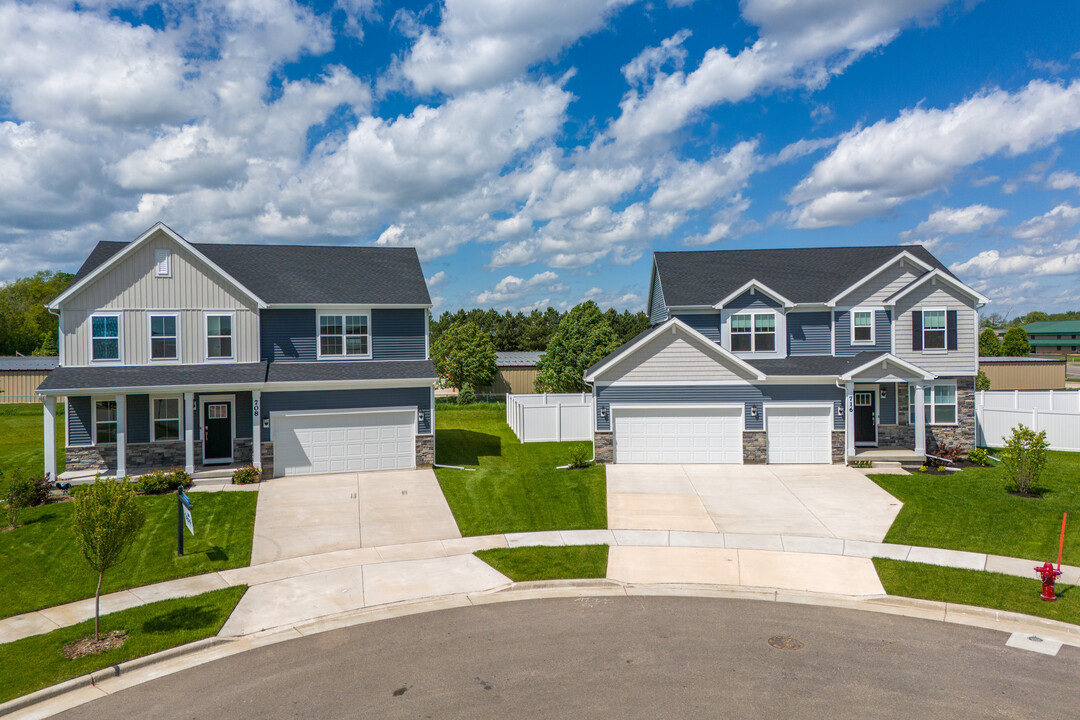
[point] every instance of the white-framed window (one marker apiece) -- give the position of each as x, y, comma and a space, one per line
219, 336
165, 418
933, 328
753, 332
939, 403
862, 326
164, 336
104, 422
162, 263
344, 335
105, 338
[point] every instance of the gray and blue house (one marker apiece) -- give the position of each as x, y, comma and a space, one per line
296, 359
811, 355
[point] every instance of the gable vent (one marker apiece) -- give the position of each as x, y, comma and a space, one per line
162, 262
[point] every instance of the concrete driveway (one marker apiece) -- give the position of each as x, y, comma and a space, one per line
298, 516
806, 500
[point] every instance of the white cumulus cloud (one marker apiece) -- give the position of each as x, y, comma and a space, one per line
956, 221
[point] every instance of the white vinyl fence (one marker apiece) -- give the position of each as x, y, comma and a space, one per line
550, 417
1055, 411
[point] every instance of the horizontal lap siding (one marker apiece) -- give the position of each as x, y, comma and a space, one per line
398, 334
348, 400
669, 358
882, 334
757, 301
887, 405
809, 333
658, 312
80, 416
288, 336
750, 395
955, 362
882, 286
707, 324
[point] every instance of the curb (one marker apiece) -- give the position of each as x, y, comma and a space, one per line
82, 681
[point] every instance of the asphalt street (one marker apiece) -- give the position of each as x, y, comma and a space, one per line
647, 657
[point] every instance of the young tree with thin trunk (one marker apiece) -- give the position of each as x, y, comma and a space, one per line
106, 518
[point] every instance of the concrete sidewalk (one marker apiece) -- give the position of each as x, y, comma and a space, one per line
297, 589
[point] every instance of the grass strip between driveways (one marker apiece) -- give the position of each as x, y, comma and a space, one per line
977, 587
22, 439
40, 565
548, 563
971, 510
37, 662
515, 487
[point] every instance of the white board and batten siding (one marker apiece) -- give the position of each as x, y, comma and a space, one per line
550, 417
963, 360
678, 435
1057, 412
799, 435
316, 443
131, 287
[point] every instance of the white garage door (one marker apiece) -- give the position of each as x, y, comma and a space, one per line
344, 442
799, 435
707, 435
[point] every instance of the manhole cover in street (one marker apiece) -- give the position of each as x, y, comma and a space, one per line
784, 642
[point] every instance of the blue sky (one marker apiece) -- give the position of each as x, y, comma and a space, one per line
536, 153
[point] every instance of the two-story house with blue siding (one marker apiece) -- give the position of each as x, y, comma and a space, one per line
296, 359
792, 356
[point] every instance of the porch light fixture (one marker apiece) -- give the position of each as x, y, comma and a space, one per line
603, 411
753, 411
882, 393
839, 411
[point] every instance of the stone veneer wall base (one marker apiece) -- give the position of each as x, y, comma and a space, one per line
425, 451
603, 447
754, 447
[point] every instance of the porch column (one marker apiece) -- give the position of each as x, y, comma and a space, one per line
920, 418
256, 429
49, 401
849, 420
189, 432
121, 436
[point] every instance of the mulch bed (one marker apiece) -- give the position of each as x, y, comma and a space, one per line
89, 646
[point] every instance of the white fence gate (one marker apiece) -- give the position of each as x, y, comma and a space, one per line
550, 417
1055, 411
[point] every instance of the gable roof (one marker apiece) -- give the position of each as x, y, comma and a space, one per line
28, 362
935, 275
802, 275
300, 274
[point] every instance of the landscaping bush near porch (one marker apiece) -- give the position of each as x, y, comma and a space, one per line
515, 487
973, 510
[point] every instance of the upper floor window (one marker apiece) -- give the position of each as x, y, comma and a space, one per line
862, 327
753, 332
219, 336
162, 262
344, 335
933, 329
105, 337
163, 337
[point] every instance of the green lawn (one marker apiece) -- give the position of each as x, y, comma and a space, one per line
40, 565
37, 662
975, 587
515, 487
22, 434
971, 510
548, 563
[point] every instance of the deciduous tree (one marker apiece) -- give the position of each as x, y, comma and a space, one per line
989, 345
583, 338
464, 357
1015, 343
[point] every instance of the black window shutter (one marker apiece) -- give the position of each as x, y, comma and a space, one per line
916, 330
950, 329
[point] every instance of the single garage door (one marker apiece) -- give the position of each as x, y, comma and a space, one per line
799, 435
344, 442
678, 435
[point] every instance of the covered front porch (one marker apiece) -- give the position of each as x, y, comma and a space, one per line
879, 422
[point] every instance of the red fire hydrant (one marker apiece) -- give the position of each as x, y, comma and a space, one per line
1049, 575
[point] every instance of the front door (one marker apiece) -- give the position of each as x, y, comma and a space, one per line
865, 418
217, 432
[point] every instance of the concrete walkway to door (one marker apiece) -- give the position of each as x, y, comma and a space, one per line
830, 501
313, 514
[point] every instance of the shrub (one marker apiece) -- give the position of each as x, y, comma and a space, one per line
162, 481
979, 456
1023, 458
466, 396
246, 475
950, 452
923, 468
579, 456
982, 381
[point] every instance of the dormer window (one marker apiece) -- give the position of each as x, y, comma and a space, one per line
753, 332
162, 263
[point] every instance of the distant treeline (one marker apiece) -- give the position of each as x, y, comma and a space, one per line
996, 321
511, 332
26, 327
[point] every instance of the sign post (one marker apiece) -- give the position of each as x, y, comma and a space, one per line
183, 517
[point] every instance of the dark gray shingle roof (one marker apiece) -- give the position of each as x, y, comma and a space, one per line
309, 273
802, 275
344, 370
814, 365
144, 376
19, 362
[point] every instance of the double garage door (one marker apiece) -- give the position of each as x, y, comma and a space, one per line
310, 444
714, 435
